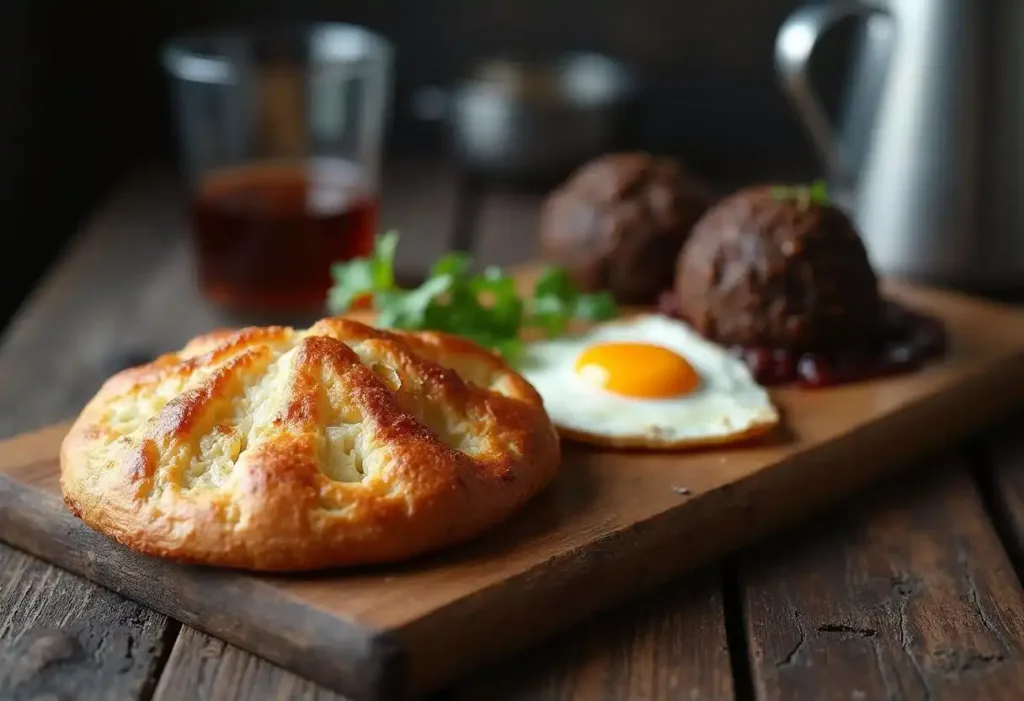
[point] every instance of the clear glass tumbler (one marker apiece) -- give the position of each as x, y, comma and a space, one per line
280, 134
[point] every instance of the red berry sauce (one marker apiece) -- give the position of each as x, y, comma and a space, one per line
908, 341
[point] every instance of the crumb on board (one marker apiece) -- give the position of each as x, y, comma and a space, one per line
680, 490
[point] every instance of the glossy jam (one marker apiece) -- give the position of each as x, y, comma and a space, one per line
908, 341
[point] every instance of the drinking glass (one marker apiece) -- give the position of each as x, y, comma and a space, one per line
280, 136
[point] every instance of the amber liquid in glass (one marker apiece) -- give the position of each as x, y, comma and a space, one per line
267, 234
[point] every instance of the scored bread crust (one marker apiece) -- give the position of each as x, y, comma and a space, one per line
271, 448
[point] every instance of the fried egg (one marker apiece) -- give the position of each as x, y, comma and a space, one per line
647, 382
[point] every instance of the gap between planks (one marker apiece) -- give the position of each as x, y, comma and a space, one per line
1000, 478
63, 637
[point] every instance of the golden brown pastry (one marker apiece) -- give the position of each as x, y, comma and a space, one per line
281, 449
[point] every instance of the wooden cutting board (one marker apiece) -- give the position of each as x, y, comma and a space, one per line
612, 525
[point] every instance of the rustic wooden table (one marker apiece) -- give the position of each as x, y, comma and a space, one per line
909, 592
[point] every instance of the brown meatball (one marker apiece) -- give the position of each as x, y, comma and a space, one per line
764, 269
619, 221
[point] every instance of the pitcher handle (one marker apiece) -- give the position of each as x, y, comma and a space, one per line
794, 44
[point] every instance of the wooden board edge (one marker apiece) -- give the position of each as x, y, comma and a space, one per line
38, 438
624, 561
362, 663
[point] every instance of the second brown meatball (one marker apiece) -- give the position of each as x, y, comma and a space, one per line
619, 222
764, 269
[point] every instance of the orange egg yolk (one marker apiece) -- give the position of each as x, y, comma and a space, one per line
636, 370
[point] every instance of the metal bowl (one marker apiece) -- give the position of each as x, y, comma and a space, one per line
534, 117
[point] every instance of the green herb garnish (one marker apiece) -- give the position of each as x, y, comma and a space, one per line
816, 192
482, 306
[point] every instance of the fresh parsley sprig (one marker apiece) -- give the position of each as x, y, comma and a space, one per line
482, 306
816, 192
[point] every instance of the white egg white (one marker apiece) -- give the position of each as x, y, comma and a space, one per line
727, 404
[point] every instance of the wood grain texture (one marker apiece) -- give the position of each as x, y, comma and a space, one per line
610, 517
912, 597
667, 647
60, 634
202, 668
1002, 452
63, 637
670, 645
250, 611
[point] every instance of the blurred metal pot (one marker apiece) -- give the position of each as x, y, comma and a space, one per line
528, 118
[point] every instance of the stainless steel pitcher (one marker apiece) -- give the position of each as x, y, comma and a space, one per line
928, 153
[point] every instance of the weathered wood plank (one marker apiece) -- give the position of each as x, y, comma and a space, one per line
60, 634
907, 594
1002, 453
670, 646
201, 667
64, 637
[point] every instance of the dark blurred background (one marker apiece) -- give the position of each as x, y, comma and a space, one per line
86, 101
